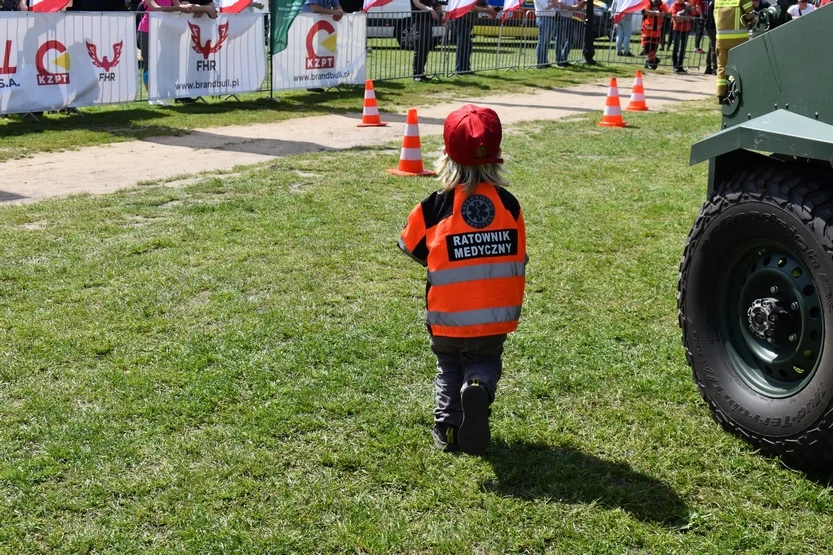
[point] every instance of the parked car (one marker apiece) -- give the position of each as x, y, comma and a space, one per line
521, 23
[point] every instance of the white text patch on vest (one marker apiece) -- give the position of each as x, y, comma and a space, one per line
503, 242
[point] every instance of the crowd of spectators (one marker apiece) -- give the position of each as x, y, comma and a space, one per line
667, 25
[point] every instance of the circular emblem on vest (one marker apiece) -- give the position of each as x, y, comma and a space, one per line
478, 211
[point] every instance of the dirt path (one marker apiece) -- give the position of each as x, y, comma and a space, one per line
103, 169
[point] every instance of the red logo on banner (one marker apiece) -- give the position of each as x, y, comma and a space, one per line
207, 49
104, 63
314, 61
7, 68
46, 77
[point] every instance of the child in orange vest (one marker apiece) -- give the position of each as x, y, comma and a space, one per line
652, 20
471, 237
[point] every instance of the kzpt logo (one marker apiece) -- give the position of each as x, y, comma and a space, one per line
328, 43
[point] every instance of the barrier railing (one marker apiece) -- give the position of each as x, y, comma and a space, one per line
403, 45
613, 49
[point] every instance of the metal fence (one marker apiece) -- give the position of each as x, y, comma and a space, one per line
476, 44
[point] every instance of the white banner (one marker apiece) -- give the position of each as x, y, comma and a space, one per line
52, 61
322, 52
193, 57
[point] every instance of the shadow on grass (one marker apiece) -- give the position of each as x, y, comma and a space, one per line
541, 472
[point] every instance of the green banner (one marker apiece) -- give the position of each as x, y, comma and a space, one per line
282, 14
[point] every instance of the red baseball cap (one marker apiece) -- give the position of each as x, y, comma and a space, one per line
472, 136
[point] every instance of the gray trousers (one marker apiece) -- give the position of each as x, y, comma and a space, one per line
459, 360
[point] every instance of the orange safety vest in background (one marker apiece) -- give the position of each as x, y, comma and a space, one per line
652, 24
475, 249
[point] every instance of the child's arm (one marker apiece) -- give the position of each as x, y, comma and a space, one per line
412, 240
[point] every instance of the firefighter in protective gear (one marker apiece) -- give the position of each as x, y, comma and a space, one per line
733, 18
472, 239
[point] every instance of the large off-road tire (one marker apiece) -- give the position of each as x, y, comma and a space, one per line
755, 298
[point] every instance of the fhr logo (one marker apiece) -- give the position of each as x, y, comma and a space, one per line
315, 61
105, 63
45, 76
207, 49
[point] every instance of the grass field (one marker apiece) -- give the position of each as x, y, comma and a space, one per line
239, 366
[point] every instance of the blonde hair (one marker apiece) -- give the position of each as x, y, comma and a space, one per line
452, 174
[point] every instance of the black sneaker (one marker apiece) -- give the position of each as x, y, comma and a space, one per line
628, 54
710, 71
474, 435
563, 64
445, 438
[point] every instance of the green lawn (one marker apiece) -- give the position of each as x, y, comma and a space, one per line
240, 366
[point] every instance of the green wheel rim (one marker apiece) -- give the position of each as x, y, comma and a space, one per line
770, 319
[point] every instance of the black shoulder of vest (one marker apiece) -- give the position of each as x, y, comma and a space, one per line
437, 207
509, 202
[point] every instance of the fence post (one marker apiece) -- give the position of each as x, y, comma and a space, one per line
589, 33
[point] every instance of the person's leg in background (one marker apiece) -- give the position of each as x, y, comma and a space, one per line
464, 43
626, 26
711, 55
422, 25
546, 30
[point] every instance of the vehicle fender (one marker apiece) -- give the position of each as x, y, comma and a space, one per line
780, 132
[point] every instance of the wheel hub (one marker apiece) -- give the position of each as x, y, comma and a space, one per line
767, 318
771, 319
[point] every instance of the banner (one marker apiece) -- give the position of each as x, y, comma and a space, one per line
368, 4
322, 53
193, 57
282, 15
47, 5
53, 61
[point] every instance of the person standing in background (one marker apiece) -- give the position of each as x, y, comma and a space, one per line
624, 29
732, 21
708, 25
802, 8
424, 14
463, 27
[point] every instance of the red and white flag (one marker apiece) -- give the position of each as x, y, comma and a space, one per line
629, 6
456, 9
374, 3
47, 5
233, 6
510, 6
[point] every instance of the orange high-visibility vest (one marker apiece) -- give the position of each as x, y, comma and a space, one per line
474, 247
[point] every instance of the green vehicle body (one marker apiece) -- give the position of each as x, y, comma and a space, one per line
781, 101
754, 294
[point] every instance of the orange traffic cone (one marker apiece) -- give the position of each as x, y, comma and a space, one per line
613, 111
637, 103
370, 112
410, 159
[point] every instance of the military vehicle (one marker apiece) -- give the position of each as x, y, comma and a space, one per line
755, 297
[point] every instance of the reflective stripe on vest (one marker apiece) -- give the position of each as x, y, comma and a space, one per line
474, 317
722, 82
473, 273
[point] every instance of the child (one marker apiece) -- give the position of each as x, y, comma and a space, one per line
652, 19
471, 237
